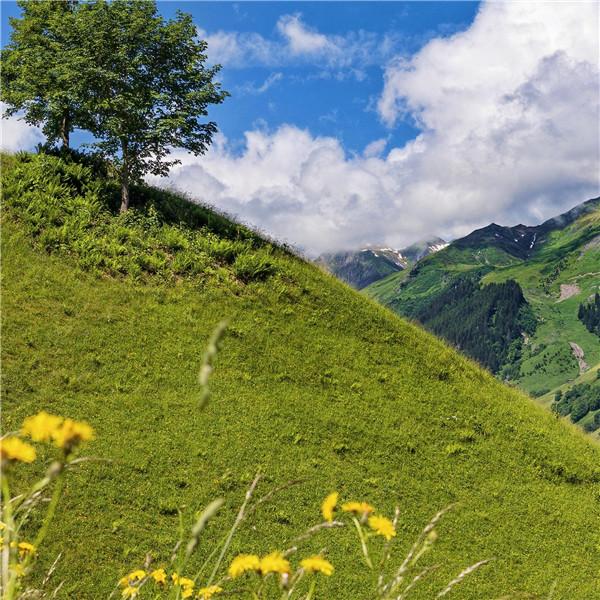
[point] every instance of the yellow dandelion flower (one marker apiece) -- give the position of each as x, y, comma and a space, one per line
159, 576
2, 526
134, 576
12, 448
41, 427
274, 563
186, 584
317, 564
382, 526
130, 592
71, 433
18, 569
25, 548
329, 505
358, 508
208, 592
242, 564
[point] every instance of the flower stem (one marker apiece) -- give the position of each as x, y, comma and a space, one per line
363, 542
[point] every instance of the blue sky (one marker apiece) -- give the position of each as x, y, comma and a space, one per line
354, 123
326, 101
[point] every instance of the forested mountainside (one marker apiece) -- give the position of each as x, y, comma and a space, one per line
556, 268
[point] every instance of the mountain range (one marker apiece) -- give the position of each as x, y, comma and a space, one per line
510, 298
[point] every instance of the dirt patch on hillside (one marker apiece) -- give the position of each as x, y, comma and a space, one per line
579, 355
567, 290
593, 243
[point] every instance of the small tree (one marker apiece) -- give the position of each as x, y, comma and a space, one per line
147, 86
39, 73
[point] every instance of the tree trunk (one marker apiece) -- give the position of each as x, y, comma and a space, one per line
64, 129
124, 192
124, 179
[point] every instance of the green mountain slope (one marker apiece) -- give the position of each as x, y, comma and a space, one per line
557, 266
314, 381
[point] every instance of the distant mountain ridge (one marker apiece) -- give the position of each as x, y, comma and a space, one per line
360, 268
521, 240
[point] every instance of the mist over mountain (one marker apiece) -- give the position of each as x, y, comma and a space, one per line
360, 268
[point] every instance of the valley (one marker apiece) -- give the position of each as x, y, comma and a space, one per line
554, 265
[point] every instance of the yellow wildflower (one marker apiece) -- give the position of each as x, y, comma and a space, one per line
242, 564
317, 564
26, 548
329, 505
134, 576
274, 563
130, 592
71, 433
382, 526
358, 508
41, 427
159, 576
18, 569
185, 583
12, 448
208, 592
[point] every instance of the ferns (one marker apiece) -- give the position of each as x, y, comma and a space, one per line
67, 209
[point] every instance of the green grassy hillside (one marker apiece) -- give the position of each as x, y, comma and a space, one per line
557, 265
314, 381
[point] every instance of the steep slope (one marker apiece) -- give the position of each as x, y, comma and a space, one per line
313, 381
557, 266
367, 265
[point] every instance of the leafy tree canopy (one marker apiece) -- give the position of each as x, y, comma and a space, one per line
137, 82
38, 74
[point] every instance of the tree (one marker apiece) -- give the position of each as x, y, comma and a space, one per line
39, 68
147, 86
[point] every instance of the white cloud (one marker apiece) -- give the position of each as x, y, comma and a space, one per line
252, 88
301, 39
509, 112
375, 148
297, 43
16, 135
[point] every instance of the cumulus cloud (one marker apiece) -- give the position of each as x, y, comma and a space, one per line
15, 134
509, 117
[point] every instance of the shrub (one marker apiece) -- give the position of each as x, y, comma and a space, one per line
254, 267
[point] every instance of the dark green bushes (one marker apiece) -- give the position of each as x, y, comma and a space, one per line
589, 314
578, 402
68, 208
